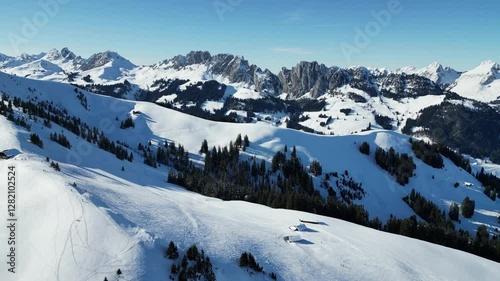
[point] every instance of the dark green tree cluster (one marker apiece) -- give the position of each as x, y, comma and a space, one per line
50, 113
495, 156
473, 131
60, 139
82, 98
172, 252
55, 165
428, 153
364, 148
468, 207
248, 260
384, 121
118, 150
349, 189
176, 156
194, 266
455, 157
491, 184
128, 123
204, 147
427, 210
316, 168
242, 143
454, 211
21, 121
457, 239
400, 165
35, 139
167, 154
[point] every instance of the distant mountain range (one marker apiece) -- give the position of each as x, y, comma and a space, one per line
310, 79
310, 96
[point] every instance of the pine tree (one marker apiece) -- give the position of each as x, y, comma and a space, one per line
454, 211
246, 142
365, 148
174, 269
468, 207
172, 252
238, 141
118, 272
316, 168
184, 262
204, 147
244, 260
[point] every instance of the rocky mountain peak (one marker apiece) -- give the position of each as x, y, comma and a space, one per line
67, 54
101, 59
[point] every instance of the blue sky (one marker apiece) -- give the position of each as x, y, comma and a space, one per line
270, 34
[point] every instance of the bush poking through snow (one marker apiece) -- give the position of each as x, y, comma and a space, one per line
365, 148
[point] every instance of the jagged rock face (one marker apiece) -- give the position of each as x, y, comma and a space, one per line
180, 61
236, 69
337, 77
364, 80
266, 81
313, 78
67, 54
303, 78
403, 85
101, 59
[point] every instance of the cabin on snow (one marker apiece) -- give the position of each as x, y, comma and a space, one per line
298, 227
308, 221
292, 239
3, 156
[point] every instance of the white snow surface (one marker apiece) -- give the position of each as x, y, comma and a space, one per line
481, 83
90, 219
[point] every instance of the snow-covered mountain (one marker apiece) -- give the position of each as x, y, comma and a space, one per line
441, 75
481, 83
306, 78
309, 96
99, 213
7, 62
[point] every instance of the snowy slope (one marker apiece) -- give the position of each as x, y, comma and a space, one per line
439, 74
481, 83
111, 219
336, 154
92, 218
435, 72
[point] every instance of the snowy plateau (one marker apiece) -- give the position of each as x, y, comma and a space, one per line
98, 213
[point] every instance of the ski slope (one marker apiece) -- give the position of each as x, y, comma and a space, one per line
92, 218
